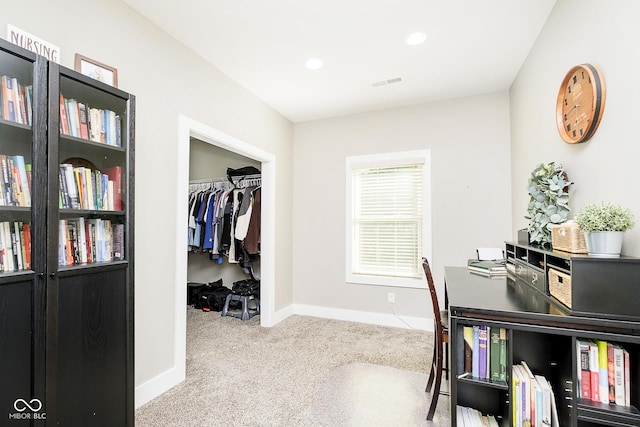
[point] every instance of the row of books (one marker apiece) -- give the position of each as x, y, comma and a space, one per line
485, 352
603, 372
15, 99
94, 124
15, 246
534, 402
469, 417
84, 188
83, 241
16, 181
488, 268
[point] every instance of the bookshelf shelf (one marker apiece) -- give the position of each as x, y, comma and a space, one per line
70, 323
500, 385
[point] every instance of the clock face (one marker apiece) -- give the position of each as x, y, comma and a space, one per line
580, 103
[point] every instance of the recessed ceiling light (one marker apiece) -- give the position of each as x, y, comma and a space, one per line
313, 64
416, 38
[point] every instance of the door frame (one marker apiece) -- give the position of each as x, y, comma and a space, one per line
189, 128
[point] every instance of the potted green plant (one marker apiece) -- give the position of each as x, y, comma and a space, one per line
604, 225
549, 201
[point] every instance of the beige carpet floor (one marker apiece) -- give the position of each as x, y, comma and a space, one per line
305, 371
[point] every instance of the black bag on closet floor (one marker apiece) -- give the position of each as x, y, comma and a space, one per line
211, 296
247, 287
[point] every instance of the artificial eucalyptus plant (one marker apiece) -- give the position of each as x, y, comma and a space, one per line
549, 202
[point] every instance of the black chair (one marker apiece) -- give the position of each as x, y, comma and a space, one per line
440, 342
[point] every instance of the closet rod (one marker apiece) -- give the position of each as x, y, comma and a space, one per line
223, 179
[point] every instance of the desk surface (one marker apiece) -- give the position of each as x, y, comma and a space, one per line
470, 291
473, 295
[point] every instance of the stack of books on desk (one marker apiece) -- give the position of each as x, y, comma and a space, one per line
488, 268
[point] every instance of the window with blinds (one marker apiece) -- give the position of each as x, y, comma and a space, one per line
387, 218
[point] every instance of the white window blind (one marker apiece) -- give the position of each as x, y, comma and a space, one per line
387, 221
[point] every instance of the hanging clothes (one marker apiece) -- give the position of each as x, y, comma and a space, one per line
225, 221
252, 239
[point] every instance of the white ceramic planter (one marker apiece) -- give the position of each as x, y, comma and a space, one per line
604, 244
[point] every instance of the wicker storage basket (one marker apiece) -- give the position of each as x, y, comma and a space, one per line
568, 238
560, 286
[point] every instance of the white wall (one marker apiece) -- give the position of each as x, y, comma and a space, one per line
605, 168
471, 185
167, 80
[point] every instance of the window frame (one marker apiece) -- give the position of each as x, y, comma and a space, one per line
387, 160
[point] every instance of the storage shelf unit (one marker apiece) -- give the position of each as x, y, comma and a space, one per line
596, 287
69, 322
543, 335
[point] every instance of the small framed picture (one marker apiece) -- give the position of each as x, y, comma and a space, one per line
96, 70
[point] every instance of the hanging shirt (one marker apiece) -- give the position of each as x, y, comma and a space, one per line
244, 214
252, 240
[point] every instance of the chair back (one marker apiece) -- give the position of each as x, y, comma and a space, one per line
432, 289
434, 298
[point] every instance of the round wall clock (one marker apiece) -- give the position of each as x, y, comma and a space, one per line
580, 103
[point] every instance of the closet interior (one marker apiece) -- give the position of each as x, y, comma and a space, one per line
224, 232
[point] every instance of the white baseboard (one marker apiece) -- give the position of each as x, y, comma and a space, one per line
406, 322
158, 385
280, 315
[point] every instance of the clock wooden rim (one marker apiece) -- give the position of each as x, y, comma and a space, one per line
599, 97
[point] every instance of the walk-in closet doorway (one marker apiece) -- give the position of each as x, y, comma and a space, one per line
190, 129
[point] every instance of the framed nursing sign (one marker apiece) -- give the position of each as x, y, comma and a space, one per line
32, 43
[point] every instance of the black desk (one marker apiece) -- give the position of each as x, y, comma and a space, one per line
540, 331
467, 293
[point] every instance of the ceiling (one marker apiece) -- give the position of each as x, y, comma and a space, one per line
472, 47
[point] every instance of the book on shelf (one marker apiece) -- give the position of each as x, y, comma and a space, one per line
26, 243
529, 391
494, 351
475, 354
482, 351
115, 174
618, 363
82, 120
516, 393
594, 369
583, 371
7, 98
612, 373
21, 176
17, 245
468, 348
503, 354
627, 378
603, 371
543, 401
64, 119
118, 242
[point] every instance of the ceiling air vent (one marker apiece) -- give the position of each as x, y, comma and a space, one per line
386, 82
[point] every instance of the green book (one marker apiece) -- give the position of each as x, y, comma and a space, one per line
503, 355
494, 367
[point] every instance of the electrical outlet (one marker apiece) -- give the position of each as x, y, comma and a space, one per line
391, 298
